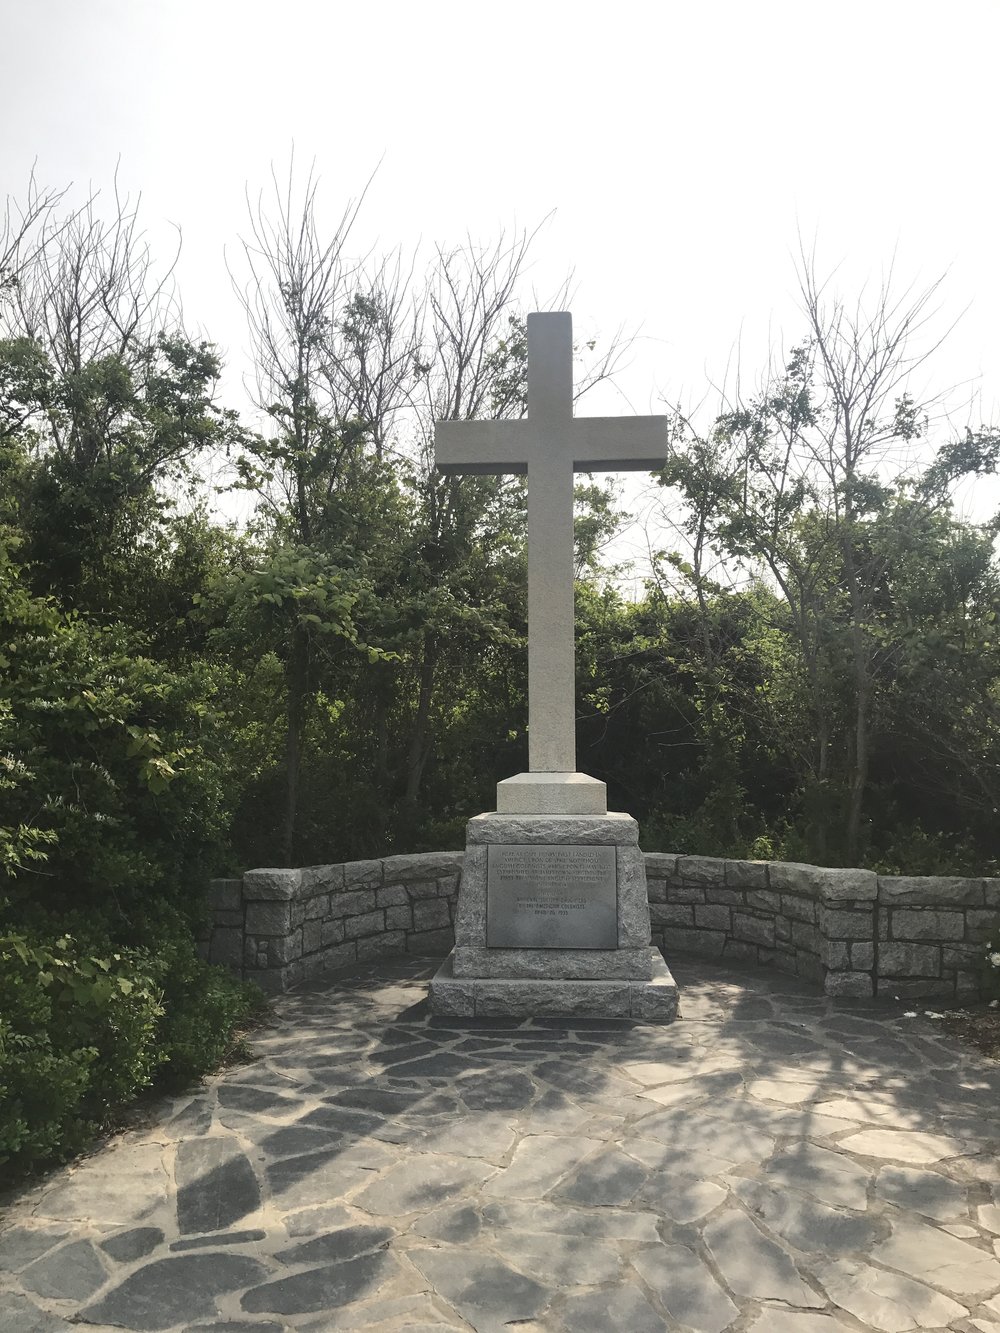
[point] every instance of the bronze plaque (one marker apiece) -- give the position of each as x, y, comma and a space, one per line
558, 896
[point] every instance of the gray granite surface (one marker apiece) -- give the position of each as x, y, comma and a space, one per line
775, 1161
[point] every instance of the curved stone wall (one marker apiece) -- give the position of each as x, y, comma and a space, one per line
852, 931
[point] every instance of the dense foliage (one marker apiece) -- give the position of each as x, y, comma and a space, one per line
812, 673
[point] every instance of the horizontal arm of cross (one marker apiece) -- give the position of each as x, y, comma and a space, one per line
619, 444
482, 446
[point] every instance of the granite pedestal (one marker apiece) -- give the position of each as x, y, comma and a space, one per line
553, 918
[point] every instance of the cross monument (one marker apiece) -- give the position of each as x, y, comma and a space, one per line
550, 445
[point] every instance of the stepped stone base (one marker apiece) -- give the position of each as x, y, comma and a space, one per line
652, 1001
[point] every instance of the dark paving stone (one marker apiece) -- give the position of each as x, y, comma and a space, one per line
241, 1326
73, 1272
382, 1100
20, 1245
216, 1185
337, 1246
320, 1288
294, 1140
227, 1238
18, 1315
235, 1097
808, 1224
442, 1064
173, 1291
343, 1120
484, 1291
488, 1093
128, 1246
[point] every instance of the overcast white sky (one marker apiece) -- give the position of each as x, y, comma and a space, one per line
680, 147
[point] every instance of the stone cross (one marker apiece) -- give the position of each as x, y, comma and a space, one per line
550, 445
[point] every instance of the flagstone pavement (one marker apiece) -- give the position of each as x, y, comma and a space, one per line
774, 1161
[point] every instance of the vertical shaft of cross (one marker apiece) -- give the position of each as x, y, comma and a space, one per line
551, 646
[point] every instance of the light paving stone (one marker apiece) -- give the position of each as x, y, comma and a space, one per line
806, 1223
753, 1264
609, 1179
484, 1290
988, 1215
682, 1198
321, 1288
900, 1146
487, 1136
611, 1223
538, 1163
723, 1141
924, 1252
19, 1245
619, 1308
886, 1301
782, 1321
420, 1184
829, 1176
921, 1191
72, 1272
129, 1186
686, 1288
558, 1260
19, 1315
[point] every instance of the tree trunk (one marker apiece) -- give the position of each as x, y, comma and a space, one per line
419, 738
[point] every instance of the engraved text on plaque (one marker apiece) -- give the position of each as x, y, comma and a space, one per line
559, 896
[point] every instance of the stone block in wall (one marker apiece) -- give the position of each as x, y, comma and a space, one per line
862, 956
362, 874
685, 893
883, 923
656, 890
421, 888
706, 942
740, 951
433, 915
991, 892
671, 914
701, 869
448, 885
254, 953
855, 985
380, 946
782, 928
661, 865
337, 955
421, 865
838, 956
321, 879
226, 947
269, 918
828, 883
284, 948
331, 932
981, 922
273, 885
273, 980
368, 923
710, 917
909, 960
317, 907
399, 918
746, 874
807, 936
298, 913
930, 890
797, 907
927, 924
225, 895
353, 902
227, 919
392, 895
758, 930
764, 900
968, 983
846, 925
966, 955
312, 936
725, 897
430, 943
